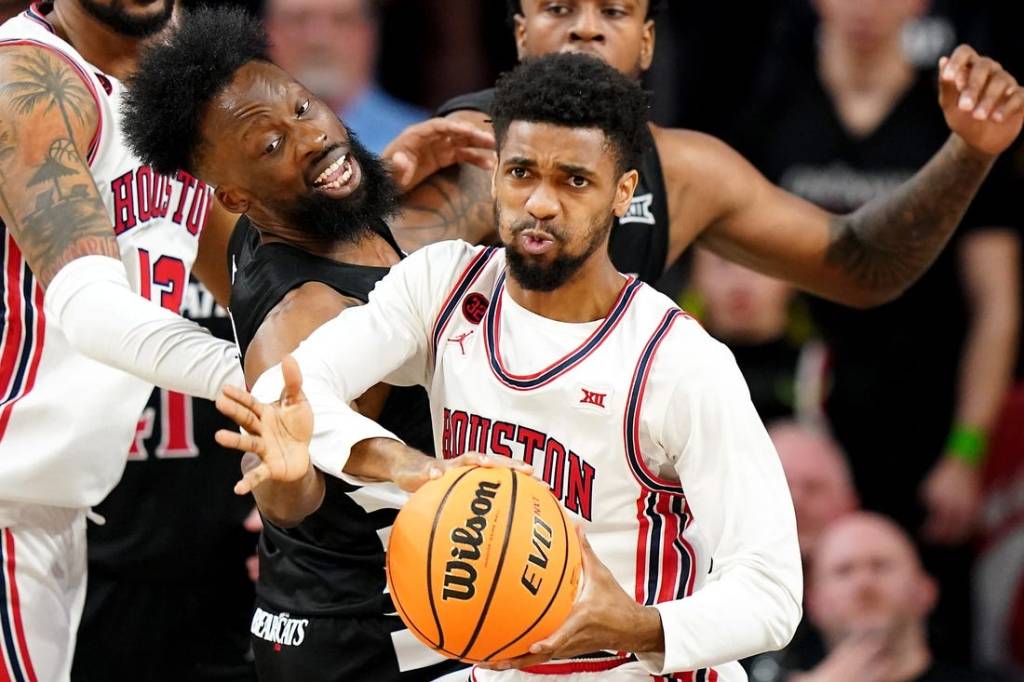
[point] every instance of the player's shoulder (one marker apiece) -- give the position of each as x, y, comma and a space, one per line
681, 147
480, 101
447, 261
675, 335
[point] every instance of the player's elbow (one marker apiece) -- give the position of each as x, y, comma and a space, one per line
782, 624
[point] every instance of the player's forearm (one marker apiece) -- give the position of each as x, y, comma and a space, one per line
744, 613
453, 204
288, 504
888, 243
986, 367
103, 319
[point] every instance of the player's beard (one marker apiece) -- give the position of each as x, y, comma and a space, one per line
537, 275
116, 17
347, 219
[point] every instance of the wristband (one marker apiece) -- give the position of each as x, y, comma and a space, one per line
967, 444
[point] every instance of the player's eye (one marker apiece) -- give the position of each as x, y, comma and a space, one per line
273, 146
614, 12
518, 172
578, 181
303, 108
556, 10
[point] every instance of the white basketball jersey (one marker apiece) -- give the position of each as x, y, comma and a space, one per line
66, 422
580, 422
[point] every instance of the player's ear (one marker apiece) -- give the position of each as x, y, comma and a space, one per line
232, 199
520, 32
624, 192
647, 45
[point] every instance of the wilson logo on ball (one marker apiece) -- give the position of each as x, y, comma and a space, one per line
460, 575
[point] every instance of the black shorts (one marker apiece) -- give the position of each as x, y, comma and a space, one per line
150, 631
288, 647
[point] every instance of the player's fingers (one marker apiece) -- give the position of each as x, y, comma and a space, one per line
402, 169
466, 135
958, 66
481, 158
238, 413
1011, 106
252, 479
483, 460
292, 391
243, 397
993, 93
979, 75
240, 441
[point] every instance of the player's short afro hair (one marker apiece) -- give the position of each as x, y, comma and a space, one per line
575, 91
516, 7
176, 79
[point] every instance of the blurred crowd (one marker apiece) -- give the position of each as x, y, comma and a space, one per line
900, 428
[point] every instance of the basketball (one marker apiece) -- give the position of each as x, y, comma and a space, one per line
482, 563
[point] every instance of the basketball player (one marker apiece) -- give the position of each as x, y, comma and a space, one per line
312, 242
542, 351
89, 234
693, 188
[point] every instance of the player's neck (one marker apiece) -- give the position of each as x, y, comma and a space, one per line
109, 51
587, 296
883, 70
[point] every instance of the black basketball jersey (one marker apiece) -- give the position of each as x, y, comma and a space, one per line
639, 240
332, 563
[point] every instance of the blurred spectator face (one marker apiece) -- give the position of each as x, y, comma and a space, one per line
818, 477
741, 305
616, 32
328, 45
866, 578
865, 25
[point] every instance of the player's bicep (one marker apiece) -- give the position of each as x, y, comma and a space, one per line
48, 198
289, 323
755, 223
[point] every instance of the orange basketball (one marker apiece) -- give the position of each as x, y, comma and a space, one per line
482, 563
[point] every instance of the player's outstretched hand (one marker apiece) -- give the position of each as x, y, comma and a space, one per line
425, 148
277, 433
603, 618
981, 101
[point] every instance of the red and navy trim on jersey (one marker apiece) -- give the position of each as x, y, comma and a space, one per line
24, 328
464, 283
526, 382
15, 665
665, 561
36, 14
94, 143
634, 402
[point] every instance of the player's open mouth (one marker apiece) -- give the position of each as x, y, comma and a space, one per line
339, 177
535, 242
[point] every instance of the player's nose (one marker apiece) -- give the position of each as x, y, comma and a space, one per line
542, 204
587, 27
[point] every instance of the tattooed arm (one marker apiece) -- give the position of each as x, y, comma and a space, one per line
50, 205
48, 199
872, 255
455, 203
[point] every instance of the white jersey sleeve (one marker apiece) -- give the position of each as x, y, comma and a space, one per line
386, 340
735, 485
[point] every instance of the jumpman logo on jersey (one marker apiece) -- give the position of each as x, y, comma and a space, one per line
461, 339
